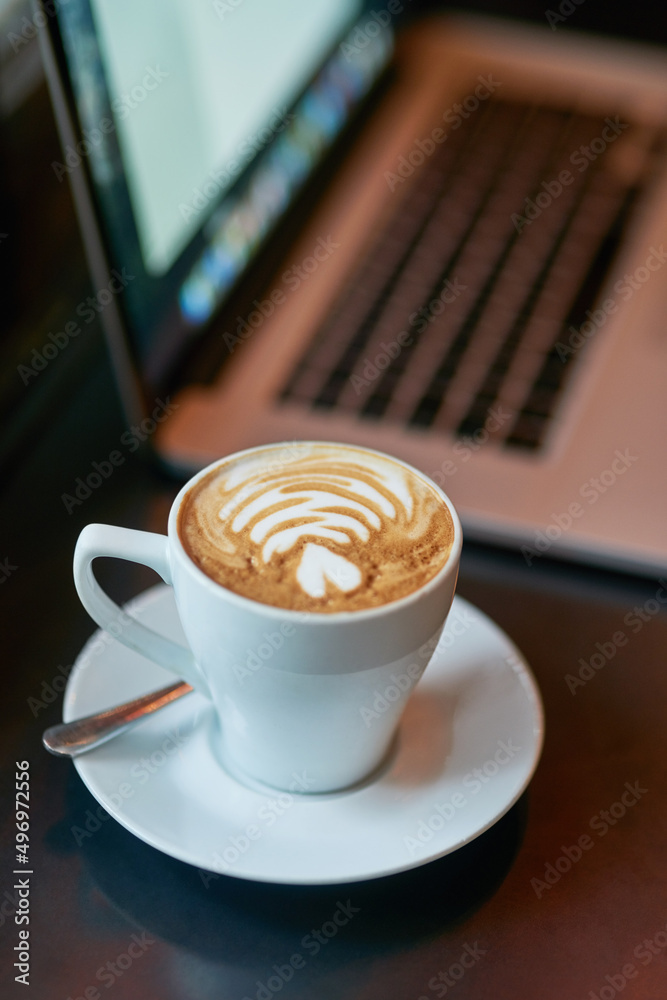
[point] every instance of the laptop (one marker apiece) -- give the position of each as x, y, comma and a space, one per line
444, 239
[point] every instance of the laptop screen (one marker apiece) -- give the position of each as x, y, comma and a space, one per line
199, 124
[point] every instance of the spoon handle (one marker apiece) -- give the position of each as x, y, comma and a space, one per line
69, 739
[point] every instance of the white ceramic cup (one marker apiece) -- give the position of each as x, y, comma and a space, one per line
305, 701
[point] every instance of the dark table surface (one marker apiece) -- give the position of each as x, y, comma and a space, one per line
565, 897
583, 925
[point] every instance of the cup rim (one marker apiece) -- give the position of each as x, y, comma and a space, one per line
275, 611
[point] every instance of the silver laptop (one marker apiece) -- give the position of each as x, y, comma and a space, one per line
445, 240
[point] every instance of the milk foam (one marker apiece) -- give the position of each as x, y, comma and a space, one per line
319, 527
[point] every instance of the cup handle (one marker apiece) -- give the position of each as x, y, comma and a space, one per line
151, 550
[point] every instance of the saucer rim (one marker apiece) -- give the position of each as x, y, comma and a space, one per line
533, 705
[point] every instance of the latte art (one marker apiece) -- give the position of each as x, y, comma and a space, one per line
283, 515
316, 527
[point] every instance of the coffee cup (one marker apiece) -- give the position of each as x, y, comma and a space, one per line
295, 624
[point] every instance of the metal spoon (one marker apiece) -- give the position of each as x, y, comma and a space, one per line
69, 739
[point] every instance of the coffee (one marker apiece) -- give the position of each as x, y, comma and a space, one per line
316, 527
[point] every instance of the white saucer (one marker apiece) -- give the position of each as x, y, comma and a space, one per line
476, 707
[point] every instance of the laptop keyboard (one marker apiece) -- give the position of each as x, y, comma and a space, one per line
474, 302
